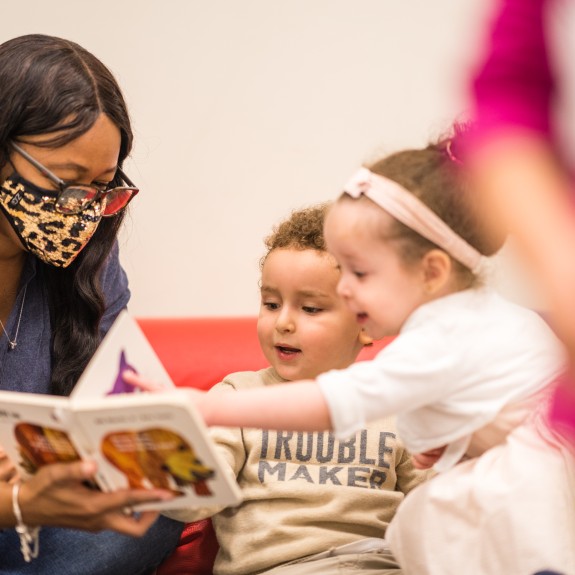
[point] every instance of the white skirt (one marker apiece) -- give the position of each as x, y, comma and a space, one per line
510, 511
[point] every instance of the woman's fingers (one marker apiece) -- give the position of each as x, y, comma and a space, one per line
8, 472
58, 495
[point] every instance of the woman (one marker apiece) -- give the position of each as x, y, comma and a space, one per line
64, 134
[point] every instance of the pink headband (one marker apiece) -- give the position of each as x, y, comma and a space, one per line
413, 213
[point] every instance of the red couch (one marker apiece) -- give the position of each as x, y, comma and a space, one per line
200, 352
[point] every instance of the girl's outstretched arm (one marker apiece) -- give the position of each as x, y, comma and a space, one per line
298, 406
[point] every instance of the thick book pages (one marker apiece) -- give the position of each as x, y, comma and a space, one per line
139, 440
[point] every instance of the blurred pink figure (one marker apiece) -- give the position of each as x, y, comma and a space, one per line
518, 165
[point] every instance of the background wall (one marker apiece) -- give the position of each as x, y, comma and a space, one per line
246, 109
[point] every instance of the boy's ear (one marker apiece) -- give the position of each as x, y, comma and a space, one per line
436, 270
365, 339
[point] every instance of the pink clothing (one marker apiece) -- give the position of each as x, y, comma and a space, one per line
513, 89
562, 412
515, 83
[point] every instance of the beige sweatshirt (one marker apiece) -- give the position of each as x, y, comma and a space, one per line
303, 492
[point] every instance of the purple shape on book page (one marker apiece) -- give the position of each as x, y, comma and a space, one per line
120, 386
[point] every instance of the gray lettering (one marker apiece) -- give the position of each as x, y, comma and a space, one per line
329, 475
363, 449
346, 451
265, 441
383, 449
279, 469
377, 479
354, 479
283, 438
328, 455
302, 472
300, 455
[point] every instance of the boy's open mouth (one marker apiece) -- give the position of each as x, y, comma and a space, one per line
287, 350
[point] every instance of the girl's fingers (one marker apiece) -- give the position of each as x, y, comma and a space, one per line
427, 459
144, 384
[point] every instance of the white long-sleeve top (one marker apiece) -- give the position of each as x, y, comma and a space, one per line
455, 364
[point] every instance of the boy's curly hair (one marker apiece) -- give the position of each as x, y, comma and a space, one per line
303, 230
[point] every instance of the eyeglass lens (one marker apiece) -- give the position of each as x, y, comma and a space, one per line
117, 199
74, 199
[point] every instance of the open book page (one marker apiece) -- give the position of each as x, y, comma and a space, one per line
124, 347
156, 441
31, 432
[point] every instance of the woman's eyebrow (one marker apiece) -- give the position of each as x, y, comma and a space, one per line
76, 167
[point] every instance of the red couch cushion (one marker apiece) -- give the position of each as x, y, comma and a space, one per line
195, 553
200, 352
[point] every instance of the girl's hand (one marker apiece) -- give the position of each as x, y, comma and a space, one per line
134, 379
427, 459
146, 385
198, 397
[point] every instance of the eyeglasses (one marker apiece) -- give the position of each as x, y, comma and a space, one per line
74, 198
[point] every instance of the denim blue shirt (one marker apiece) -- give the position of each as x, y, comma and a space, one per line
27, 367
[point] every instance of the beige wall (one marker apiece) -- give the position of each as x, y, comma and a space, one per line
246, 109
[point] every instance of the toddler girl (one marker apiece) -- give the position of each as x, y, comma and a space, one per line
467, 365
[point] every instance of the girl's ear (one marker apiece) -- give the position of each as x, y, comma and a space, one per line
437, 270
365, 339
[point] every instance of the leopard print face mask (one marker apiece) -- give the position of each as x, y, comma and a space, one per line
54, 238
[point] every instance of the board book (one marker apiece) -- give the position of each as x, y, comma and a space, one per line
139, 439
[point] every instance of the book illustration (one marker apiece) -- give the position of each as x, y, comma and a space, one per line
157, 457
39, 445
120, 386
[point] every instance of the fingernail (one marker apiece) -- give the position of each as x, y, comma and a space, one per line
89, 467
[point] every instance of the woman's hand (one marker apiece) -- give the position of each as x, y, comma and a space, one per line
57, 495
8, 472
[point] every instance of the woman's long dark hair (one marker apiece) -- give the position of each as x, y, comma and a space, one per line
49, 85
